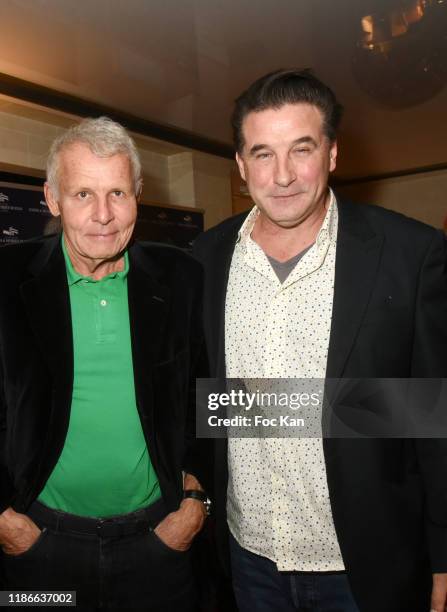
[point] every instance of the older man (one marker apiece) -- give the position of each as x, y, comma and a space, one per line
307, 285
100, 341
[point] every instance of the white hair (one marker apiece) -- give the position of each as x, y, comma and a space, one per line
105, 138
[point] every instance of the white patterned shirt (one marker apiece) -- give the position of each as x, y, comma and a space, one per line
278, 501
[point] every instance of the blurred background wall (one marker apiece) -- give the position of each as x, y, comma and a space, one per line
172, 69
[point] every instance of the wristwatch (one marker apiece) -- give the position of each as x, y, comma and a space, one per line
200, 496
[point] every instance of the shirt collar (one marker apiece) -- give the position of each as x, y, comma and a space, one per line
73, 277
327, 230
247, 226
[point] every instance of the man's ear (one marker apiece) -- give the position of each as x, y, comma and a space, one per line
51, 200
139, 193
241, 166
333, 156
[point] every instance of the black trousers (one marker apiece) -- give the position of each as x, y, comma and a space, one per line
117, 563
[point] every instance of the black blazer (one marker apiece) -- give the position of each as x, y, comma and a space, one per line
388, 496
36, 363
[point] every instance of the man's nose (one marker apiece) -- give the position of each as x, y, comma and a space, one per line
103, 212
284, 171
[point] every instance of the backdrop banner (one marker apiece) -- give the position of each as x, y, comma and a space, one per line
24, 213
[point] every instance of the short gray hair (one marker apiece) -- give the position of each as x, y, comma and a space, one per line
105, 138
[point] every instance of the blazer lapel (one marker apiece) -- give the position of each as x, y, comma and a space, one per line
218, 270
149, 304
47, 303
359, 249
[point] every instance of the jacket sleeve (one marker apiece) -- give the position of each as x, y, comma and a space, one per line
198, 455
6, 485
429, 360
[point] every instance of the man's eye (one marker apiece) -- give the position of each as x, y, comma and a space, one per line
82, 195
263, 155
118, 193
302, 150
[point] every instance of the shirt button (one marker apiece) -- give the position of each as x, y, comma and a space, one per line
103, 302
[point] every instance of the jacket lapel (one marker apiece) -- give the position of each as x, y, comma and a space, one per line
149, 305
218, 270
359, 249
47, 304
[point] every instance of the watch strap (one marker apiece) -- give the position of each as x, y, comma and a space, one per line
195, 494
200, 496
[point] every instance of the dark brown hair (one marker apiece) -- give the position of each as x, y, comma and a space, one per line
286, 87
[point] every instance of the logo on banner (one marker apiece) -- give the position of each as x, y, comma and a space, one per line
11, 231
43, 203
4, 197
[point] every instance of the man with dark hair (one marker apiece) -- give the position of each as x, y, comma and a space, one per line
286, 87
100, 344
307, 285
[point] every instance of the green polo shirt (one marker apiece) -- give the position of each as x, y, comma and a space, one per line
104, 468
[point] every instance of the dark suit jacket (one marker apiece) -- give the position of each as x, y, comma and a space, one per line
388, 496
36, 363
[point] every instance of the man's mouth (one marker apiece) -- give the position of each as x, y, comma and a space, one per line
102, 236
284, 196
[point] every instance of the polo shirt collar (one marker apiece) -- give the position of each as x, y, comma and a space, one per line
73, 277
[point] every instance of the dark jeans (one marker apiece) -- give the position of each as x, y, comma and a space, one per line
260, 587
119, 563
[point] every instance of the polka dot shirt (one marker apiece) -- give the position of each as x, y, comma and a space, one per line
278, 501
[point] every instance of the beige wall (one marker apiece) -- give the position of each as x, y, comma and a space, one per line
25, 142
212, 182
201, 181
421, 196
171, 176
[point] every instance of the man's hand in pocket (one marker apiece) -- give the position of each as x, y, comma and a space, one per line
17, 532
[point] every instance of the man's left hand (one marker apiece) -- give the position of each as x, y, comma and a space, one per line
439, 593
178, 529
